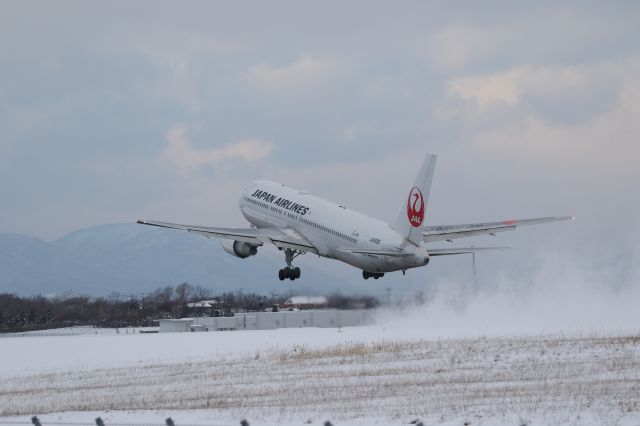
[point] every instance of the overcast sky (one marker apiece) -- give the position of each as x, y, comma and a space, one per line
113, 111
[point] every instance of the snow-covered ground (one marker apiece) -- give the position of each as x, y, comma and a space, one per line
557, 356
394, 372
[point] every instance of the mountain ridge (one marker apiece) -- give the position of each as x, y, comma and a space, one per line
129, 258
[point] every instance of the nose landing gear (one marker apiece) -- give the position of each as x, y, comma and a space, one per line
375, 275
289, 272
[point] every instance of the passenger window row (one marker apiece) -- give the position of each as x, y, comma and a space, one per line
329, 230
305, 221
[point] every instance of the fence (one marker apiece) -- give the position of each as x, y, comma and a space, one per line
99, 422
80, 331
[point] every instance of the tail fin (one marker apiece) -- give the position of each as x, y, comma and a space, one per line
412, 216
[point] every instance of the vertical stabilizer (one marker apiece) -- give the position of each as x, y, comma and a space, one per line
413, 213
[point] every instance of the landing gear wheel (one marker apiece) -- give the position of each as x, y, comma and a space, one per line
375, 275
289, 272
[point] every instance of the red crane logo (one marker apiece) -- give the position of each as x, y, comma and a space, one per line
415, 207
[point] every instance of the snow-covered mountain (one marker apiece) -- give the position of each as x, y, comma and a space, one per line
29, 265
130, 258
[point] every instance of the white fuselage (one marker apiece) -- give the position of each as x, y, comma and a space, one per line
332, 229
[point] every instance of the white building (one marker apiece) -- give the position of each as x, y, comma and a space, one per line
329, 318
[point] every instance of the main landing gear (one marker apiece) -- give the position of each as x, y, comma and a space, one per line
375, 275
289, 272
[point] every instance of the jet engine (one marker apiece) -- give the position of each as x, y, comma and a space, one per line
239, 248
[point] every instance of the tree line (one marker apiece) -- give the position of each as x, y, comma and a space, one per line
141, 310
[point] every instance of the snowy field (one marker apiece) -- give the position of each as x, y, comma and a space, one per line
356, 376
496, 360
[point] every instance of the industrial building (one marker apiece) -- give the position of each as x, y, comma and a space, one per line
329, 318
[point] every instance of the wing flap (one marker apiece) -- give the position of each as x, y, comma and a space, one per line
247, 235
258, 236
290, 243
452, 232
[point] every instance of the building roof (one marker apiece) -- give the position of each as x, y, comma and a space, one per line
203, 304
306, 300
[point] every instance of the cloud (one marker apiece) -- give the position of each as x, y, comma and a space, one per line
177, 49
495, 36
559, 94
617, 125
515, 86
180, 59
355, 132
586, 168
487, 90
306, 72
508, 87
456, 46
186, 158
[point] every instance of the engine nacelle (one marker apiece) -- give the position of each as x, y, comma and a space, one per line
239, 248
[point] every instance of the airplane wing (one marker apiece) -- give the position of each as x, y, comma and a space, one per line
257, 236
452, 232
462, 250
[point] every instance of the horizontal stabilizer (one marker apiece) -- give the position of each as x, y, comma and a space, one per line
463, 250
452, 232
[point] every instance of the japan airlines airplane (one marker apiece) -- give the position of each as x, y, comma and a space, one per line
296, 222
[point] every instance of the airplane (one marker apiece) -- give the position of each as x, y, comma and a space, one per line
297, 222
